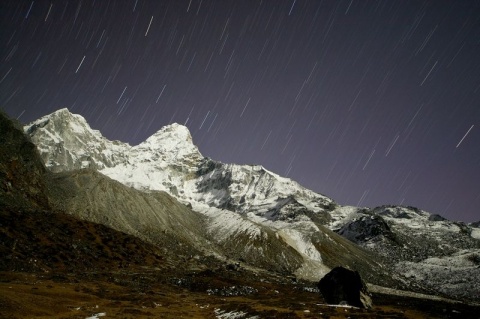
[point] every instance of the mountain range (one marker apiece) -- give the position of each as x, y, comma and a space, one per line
249, 214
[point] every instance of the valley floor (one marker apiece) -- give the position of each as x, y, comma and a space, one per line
149, 293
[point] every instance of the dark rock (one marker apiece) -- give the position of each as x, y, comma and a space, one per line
475, 224
436, 218
233, 267
366, 228
342, 286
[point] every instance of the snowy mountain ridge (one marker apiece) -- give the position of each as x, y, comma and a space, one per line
169, 161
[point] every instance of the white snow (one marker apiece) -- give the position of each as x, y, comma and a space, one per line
300, 243
76, 125
97, 315
475, 233
343, 214
85, 164
225, 224
222, 314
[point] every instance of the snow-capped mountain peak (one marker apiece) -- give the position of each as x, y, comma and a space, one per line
66, 141
173, 131
62, 120
173, 143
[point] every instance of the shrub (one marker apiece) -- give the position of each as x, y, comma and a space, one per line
474, 258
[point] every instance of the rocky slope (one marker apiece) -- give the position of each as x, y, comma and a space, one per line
302, 248
155, 217
42, 241
424, 249
21, 169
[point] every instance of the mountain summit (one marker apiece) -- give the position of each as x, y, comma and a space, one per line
66, 142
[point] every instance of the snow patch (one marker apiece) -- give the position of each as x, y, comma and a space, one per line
97, 315
475, 233
225, 224
222, 314
300, 243
342, 215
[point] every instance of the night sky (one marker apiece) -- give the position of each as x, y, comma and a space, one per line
367, 102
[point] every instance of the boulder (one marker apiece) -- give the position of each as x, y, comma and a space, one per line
344, 286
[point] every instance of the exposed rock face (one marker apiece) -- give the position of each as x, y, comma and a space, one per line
366, 228
436, 218
344, 286
475, 224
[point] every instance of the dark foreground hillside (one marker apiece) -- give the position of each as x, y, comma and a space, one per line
41, 241
55, 266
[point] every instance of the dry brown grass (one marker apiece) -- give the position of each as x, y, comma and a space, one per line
119, 295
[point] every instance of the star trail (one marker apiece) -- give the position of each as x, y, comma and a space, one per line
367, 102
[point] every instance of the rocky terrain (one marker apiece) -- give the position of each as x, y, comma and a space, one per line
77, 244
427, 250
